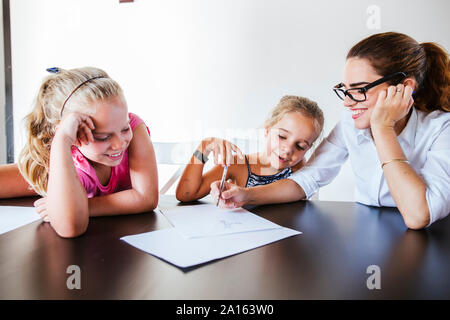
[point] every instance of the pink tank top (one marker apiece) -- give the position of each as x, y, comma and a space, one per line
120, 174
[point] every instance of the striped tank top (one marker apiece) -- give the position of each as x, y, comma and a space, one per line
254, 180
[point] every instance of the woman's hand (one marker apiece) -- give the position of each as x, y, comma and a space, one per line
76, 128
41, 208
392, 105
232, 195
222, 150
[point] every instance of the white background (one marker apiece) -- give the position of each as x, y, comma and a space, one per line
196, 68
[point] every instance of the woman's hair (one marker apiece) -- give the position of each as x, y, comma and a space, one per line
61, 92
428, 63
306, 107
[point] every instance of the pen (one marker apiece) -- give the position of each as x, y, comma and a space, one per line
222, 182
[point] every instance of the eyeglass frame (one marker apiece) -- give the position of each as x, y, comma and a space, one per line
364, 89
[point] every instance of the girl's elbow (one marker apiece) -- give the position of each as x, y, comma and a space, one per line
72, 225
151, 202
184, 196
70, 229
70, 232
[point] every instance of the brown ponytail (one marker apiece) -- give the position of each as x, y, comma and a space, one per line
428, 63
434, 93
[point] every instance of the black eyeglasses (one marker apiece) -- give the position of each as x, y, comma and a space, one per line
359, 94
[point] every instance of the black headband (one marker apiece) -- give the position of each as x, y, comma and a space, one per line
73, 91
57, 70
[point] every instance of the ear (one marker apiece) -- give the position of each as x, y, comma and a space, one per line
410, 82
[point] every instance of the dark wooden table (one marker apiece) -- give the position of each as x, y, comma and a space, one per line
329, 260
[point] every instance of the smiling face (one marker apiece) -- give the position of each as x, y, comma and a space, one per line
112, 133
358, 73
289, 139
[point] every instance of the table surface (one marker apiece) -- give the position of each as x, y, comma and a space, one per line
329, 260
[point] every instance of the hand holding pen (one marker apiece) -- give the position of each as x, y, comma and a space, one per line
232, 195
222, 183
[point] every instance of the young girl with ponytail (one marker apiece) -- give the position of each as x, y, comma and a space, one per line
396, 132
86, 155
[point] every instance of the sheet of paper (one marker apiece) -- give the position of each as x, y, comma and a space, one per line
14, 217
169, 245
206, 220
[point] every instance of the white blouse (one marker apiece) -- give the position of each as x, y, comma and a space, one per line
425, 142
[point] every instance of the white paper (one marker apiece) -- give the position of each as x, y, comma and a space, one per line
14, 217
170, 246
205, 220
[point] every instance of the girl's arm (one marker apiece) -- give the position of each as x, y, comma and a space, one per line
13, 184
406, 187
193, 183
143, 196
67, 202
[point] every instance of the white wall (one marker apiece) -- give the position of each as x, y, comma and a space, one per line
194, 68
2, 96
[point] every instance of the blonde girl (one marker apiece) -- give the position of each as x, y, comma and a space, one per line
291, 129
86, 154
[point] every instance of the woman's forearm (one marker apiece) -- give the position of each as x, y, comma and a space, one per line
406, 187
281, 191
67, 204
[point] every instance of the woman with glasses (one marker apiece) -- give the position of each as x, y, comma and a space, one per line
396, 133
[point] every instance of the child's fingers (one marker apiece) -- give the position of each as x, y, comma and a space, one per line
229, 192
80, 134
39, 202
229, 154
222, 152
43, 214
90, 123
227, 204
238, 151
215, 189
216, 153
84, 133
88, 133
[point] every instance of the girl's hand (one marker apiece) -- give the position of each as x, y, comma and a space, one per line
76, 128
392, 105
221, 149
232, 195
41, 208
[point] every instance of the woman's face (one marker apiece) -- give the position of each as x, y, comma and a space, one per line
112, 133
289, 139
358, 73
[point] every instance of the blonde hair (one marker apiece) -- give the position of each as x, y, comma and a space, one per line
305, 106
82, 86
